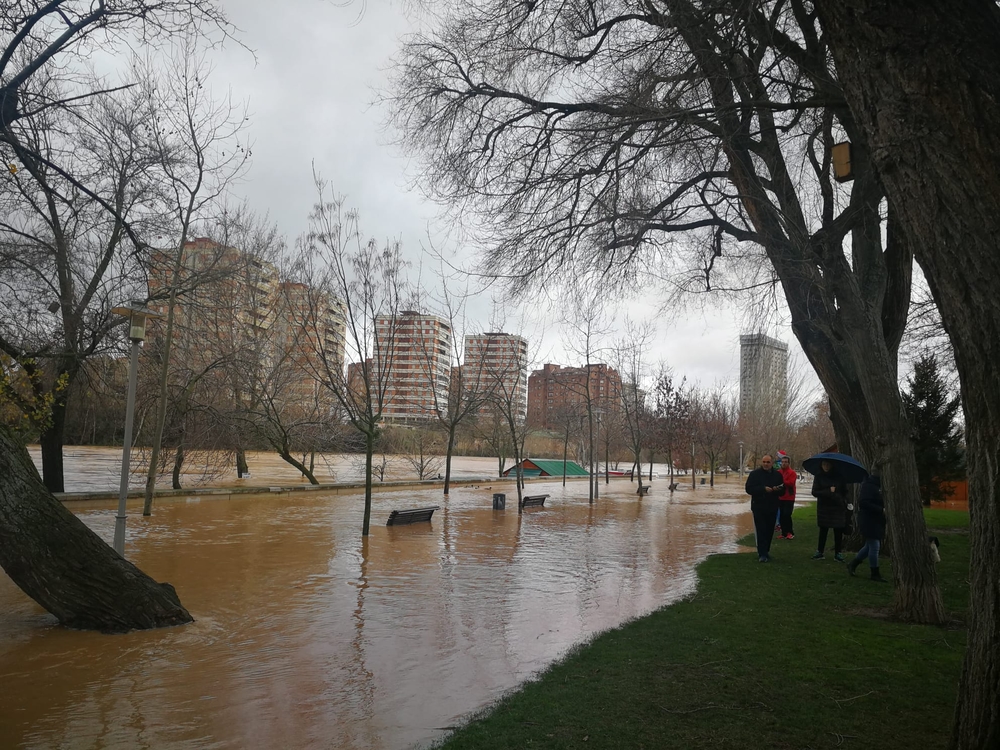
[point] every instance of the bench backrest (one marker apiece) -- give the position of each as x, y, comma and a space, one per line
414, 515
533, 501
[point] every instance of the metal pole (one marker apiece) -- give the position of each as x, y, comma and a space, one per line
133, 369
692, 466
741, 461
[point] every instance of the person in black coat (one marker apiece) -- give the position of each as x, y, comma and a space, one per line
764, 486
830, 491
871, 523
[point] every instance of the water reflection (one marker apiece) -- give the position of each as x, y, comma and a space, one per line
308, 637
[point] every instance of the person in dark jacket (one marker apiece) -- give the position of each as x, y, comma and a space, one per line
764, 486
830, 492
871, 523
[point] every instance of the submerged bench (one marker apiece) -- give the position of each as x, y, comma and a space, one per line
415, 515
533, 501
643, 489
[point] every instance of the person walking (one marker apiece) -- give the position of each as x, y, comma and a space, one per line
871, 523
830, 491
764, 486
786, 503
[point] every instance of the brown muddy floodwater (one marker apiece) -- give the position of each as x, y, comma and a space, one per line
308, 638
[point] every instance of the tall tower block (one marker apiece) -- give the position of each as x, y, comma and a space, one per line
763, 377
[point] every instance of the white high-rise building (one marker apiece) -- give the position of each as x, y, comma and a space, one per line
763, 378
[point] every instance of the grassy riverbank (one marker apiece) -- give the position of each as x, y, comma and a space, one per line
793, 654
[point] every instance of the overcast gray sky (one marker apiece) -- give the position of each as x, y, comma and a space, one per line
310, 93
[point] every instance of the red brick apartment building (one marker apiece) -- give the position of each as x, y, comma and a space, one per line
555, 390
498, 362
420, 369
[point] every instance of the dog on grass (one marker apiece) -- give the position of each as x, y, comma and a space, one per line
935, 548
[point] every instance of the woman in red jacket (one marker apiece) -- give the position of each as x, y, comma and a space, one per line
787, 501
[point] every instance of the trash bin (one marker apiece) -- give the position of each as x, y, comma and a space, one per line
702, 481
499, 501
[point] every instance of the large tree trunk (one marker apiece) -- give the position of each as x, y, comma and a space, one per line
51, 442
64, 566
923, 80
242, 468
175, 476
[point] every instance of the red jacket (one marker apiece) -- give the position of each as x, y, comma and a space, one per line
788, 476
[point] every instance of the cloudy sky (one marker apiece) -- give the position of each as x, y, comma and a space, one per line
310, 93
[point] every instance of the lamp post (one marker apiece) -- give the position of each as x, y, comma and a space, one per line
137, 314
741, 460
692, 466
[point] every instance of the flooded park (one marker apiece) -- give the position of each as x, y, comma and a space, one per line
306, 636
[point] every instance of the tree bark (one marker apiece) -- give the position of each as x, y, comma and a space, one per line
175, 476
242, 468
64, 566
369, 452
51, 442
923, 80
447, 458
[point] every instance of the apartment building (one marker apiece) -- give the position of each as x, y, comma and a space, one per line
498, 362
763, 378
234, 307
418, 348
555, 391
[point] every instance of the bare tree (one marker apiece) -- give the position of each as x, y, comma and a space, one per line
358, 288
422, 451
671, 418
44, 547
468, 389
64, 260
594, 136
201, 154
629, 356
713, 416
588, 324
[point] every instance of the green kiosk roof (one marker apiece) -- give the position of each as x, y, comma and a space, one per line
548, 467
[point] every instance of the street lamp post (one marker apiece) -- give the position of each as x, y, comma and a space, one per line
692, 465
137, 314
741, 460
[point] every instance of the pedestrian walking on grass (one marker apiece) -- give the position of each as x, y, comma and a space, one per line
871, 523
830, 491
764, 486
786, 503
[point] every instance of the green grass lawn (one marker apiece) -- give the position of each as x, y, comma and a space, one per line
792, 654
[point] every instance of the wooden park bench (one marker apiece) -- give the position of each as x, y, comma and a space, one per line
672, 487
533, 501
643, 489
414, 515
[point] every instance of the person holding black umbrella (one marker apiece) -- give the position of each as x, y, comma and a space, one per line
830, 490
764, 486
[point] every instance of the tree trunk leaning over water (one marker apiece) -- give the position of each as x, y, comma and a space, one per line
923, 79
64, 566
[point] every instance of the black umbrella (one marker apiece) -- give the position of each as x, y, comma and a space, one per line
850, 468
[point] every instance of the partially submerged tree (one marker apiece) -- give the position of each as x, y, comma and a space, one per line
629, 357
356, 291
46, 551
689, 140
713, 417
64, 566
64, 260
201, 154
